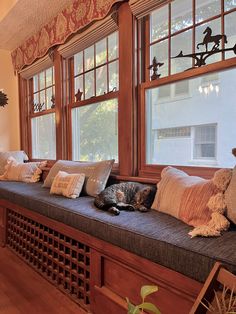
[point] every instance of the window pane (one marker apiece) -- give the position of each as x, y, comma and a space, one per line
230, 4
36, 101
89, 85
160, 51
42, 80
78, 63
113, 46
215, 25
181, 42
43, 100
113, 76
48, 77
44, 137
181, 15
48, 98
94, 131
89, 58
159, 23
79, 85
230, 31
195, 129
206, 9
101, 52
101, 80
35, 83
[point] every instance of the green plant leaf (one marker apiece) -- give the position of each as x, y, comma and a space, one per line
146, 290
132, 309
150, 307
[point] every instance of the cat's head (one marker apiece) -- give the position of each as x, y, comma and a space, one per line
145, 196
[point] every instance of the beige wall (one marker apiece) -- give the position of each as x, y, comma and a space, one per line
9, 115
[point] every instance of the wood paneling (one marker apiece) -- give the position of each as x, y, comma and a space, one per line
113, 272
126, 106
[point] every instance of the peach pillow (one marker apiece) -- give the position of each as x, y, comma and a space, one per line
194, 200
69, 185
26, 172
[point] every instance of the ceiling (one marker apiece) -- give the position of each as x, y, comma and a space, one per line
19, 19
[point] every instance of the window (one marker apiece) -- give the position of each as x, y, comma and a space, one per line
205, 142
43, 127
196, 131
95, 106
179, 26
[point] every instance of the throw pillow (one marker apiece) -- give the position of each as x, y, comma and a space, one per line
230, 198
69, 185
96, 174
194, 200
20, 156
26, 172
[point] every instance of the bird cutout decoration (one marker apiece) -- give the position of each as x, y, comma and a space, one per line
53, 102
155, 66
209, 39
3, 99
78, 95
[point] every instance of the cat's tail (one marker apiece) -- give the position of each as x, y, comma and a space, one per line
98, 202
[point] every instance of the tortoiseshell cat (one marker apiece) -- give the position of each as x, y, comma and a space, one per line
126, 196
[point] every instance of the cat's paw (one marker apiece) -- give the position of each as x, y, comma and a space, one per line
130, 208
113, 210
142, 209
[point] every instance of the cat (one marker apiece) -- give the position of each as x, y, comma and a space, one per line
126, 196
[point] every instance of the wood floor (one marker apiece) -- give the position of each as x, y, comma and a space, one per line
23, 291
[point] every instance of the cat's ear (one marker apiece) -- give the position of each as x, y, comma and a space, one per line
147, 190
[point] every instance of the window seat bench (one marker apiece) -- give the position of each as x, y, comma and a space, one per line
99, 259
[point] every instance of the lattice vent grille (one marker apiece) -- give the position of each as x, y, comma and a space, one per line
62, 260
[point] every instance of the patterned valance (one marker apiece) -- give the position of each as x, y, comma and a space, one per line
69, 21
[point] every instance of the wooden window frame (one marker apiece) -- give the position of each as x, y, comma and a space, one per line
152, 171
109, 95
25, 79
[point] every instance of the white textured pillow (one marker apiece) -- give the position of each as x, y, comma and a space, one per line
19, 155
96, 174
26, 172
69, 185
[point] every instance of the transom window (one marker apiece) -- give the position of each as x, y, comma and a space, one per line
179, 26
96, 68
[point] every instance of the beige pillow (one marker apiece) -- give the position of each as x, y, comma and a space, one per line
20, 156
230, 198
96, 174
69, 185
26, 172
194, 200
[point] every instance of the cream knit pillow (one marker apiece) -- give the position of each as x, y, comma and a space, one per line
69, 185
26, 172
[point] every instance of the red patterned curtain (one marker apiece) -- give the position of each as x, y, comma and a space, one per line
69, 21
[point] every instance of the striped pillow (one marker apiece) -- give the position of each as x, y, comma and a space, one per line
196, 201
69, 185
184, 197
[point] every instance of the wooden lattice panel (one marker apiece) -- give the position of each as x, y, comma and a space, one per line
62, 260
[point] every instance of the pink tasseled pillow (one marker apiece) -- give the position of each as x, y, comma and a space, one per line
194, 200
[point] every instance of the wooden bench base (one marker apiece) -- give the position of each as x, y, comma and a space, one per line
95, 274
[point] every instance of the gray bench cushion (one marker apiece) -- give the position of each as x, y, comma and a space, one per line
153, 235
